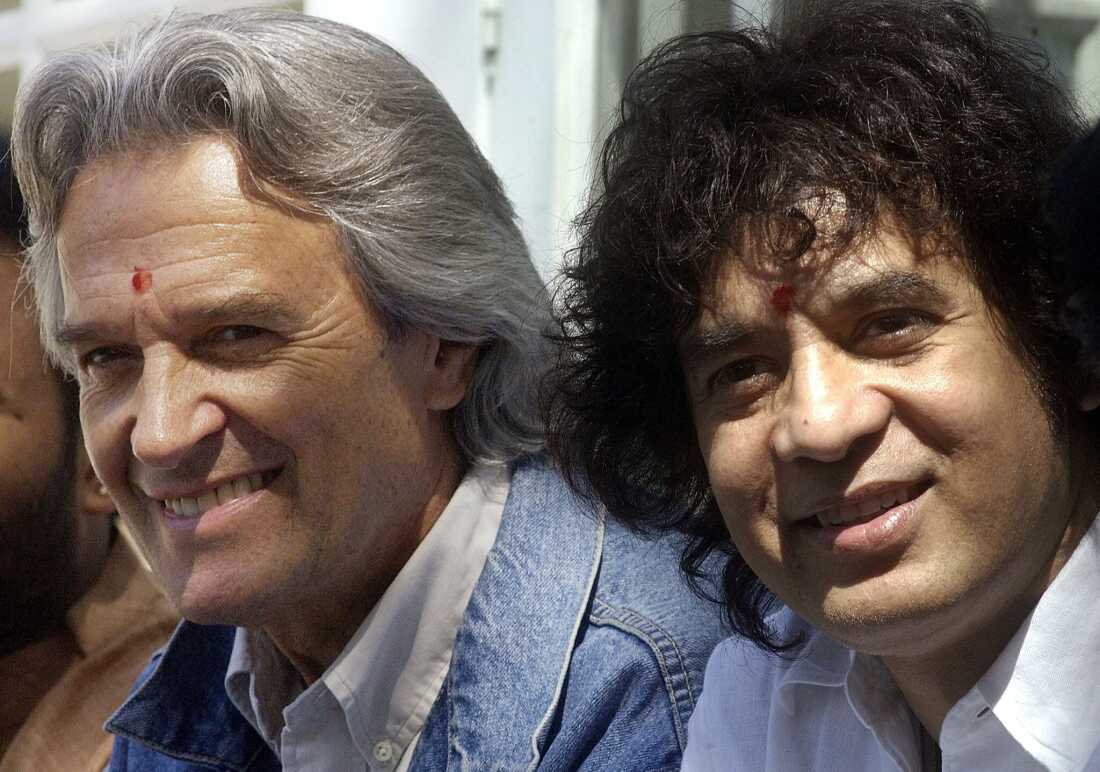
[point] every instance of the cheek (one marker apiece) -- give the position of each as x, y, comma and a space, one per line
107, 443
740, 474
971, 391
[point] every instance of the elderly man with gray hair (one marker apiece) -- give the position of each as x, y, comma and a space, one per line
309, 341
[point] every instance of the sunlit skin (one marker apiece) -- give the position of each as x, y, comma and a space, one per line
216, 335
886, 373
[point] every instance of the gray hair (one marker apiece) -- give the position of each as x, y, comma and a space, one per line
341, 125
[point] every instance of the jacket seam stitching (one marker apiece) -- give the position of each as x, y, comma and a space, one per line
200, 758
582, 614
615, 617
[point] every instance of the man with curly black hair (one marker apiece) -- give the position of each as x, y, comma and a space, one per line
815, 321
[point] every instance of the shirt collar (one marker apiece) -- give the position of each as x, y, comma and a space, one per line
390, 673
1042, 687
260, 682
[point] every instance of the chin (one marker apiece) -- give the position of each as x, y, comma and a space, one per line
213, 601
910, 626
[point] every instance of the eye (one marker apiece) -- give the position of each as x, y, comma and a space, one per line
104, 357
234, 333
894, 331
742, 380
239, 344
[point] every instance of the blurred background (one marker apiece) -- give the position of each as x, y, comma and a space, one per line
534, 81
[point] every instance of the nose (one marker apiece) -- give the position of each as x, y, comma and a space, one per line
174, 412
830, 402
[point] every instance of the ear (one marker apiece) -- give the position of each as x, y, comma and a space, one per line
91, 496
451, 369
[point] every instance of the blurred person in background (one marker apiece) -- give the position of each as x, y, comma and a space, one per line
815, 321
79, 616
309, 341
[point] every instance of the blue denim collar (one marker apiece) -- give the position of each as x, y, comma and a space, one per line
510, 659
182, 708
512, 653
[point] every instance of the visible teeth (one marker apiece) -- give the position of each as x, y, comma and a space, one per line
234, 489
225, 493
862, 510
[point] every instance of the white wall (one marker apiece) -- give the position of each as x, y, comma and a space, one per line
518, 74
441, 37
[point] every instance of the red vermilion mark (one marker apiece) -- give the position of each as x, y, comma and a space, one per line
141, 280
783, 298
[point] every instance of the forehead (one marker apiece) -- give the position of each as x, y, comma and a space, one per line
179, 219
881, 265
131, 196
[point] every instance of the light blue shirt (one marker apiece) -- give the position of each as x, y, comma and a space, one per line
832, 709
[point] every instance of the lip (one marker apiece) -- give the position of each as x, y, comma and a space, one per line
211, 517
886, 531
195, 491
862, 493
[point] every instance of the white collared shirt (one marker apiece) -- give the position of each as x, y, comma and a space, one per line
1036, 708
366, 711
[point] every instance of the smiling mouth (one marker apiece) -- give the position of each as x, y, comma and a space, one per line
865, 509
188, 506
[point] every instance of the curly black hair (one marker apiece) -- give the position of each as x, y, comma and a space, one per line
913, 110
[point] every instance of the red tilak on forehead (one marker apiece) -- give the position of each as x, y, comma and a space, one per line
783, 298
141, 280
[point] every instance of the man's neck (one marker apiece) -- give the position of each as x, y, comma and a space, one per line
933, 682
313, 638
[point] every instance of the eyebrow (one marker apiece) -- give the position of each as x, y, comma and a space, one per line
703, 344
241, 307
891, 288
887, 288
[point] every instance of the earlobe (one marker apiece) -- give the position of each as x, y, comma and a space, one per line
452, 372
92, 498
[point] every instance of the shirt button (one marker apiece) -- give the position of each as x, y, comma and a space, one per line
383, 751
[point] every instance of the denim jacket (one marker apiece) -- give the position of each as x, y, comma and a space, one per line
581, 649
